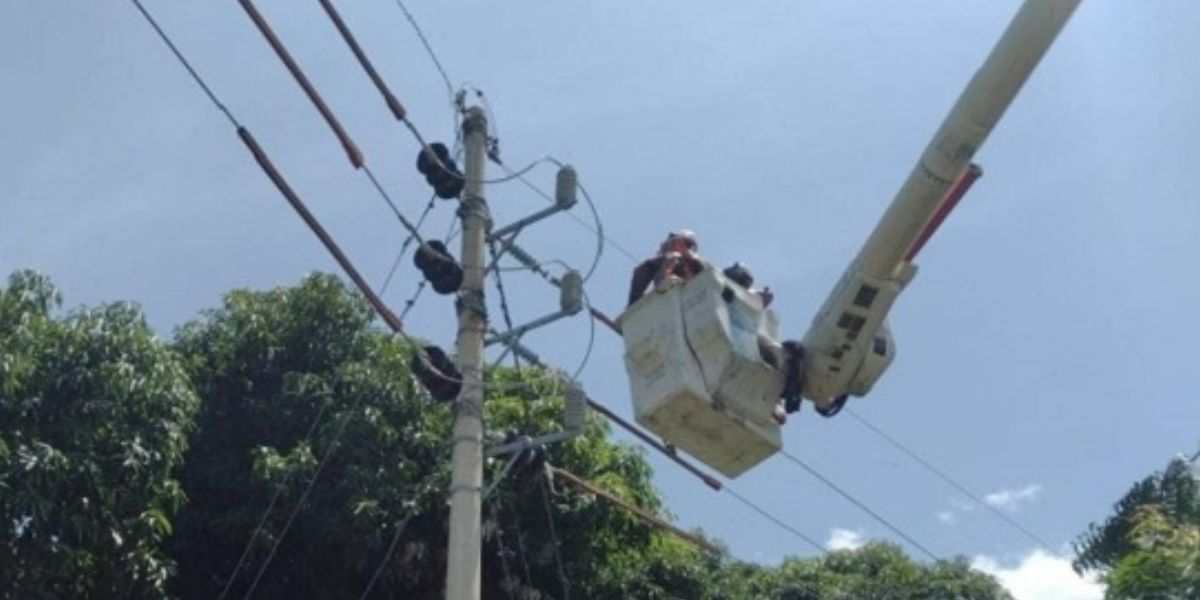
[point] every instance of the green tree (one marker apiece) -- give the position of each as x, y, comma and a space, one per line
271, 366
1164, 562
878, 570
1150, 547
289, 377
94, 414
1176, 493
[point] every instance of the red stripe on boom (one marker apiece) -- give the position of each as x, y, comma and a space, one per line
953, 195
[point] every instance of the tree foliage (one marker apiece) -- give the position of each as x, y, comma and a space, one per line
294, 380
94, 415
1174, 491
1164, 561
1150, 547
877, 570
271, 366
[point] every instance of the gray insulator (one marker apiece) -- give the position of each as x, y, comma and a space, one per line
571, 296
565, 185
575, 409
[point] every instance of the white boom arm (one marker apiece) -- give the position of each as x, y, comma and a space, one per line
849, 345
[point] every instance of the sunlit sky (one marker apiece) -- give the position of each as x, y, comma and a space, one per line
1045, 349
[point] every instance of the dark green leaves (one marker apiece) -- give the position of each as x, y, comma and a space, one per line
94, 417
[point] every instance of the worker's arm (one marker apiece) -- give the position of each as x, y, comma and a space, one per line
643, 276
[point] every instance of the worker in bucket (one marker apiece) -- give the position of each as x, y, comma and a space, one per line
787, 357
740, 274
677, 257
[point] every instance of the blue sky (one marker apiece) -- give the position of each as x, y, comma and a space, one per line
1046, 345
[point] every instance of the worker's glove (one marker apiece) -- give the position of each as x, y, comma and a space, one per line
767, 296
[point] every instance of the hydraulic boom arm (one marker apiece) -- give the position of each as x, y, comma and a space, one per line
849, 345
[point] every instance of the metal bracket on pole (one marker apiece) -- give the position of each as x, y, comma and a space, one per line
565, 186
570, 303
574, 419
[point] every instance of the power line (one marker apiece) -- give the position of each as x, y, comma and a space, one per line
392, 103
428, 48
333, 445
776, 520
947, 479
509, 581
267, 512
285, 189
186, 65
280, 183
412, 229
386, 555
519, 174
391, 548
352, 151
646, 516
562, 573
855, 501
407, 241
520, 543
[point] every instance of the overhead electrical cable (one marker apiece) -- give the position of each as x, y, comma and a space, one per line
428, 48
856, 502
287, 526
390, 319
776, 520
406, 243
391, 547
387, 555
641, 513
352, 151
558, 562
948, 479
262, 520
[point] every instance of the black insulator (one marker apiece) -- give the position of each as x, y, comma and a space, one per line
448, 188
426, 164
449, 281
437, 373
443, 173
438, 267
431, 253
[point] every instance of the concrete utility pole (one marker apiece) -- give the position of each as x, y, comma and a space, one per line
466, 480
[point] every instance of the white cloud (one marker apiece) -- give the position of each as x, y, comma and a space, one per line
1041, 576
845, 539
1011, 499
947, 517
961, 505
